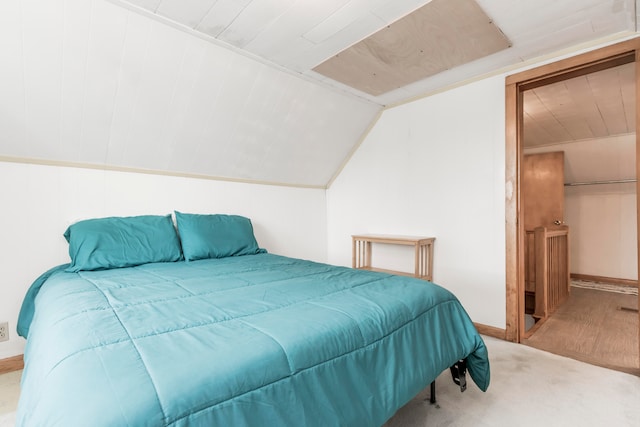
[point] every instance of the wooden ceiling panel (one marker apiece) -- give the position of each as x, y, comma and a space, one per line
535, 131
436, 37
607, 90
537, 111
596, 105
587, 107
628, 89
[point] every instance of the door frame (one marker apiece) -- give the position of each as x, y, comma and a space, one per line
596, 60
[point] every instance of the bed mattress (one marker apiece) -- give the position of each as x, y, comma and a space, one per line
248, 340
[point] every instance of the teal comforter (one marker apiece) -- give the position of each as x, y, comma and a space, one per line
259, 340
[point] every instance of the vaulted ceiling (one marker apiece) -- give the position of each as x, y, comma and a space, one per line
227, 88
299, 35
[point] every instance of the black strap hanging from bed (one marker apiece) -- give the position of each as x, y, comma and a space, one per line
459, 374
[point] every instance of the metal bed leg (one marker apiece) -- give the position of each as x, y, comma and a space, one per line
458, 372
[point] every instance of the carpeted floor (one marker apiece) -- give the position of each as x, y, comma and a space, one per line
9, 393
528, 388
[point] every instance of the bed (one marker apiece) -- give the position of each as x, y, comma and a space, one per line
248, 338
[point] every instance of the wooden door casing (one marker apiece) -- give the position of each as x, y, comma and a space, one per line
597, 59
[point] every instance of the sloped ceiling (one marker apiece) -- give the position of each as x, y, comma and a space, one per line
95, 83
596, 105
591, 118
587, 163
226, 88
298, 35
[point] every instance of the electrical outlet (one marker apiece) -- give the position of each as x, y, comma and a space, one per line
4, 331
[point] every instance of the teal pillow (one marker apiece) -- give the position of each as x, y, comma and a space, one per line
103, 243
215, 236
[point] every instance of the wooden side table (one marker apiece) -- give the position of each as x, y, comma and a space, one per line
361, 253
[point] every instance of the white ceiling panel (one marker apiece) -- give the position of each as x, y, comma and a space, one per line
253, 20
335, 22
290, 25
299, 35
221, 14
189, 13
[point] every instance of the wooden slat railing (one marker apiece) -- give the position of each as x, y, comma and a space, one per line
552, 270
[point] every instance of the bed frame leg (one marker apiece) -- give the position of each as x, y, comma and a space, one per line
432, 399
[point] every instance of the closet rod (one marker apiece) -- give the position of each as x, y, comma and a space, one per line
612, 181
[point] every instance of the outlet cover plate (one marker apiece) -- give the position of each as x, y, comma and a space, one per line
4, 331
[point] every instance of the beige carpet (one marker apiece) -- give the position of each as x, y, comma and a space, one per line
9, 393
528, 388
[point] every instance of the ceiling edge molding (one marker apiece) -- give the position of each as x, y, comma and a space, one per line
112, 168
230, 47
355, 148
530, 63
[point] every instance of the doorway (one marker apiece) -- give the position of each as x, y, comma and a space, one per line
516, 86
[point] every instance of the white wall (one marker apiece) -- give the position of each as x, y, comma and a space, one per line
39, 202
603, 232
601, 218
435, 167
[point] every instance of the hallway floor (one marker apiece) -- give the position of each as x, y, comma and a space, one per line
593, 326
